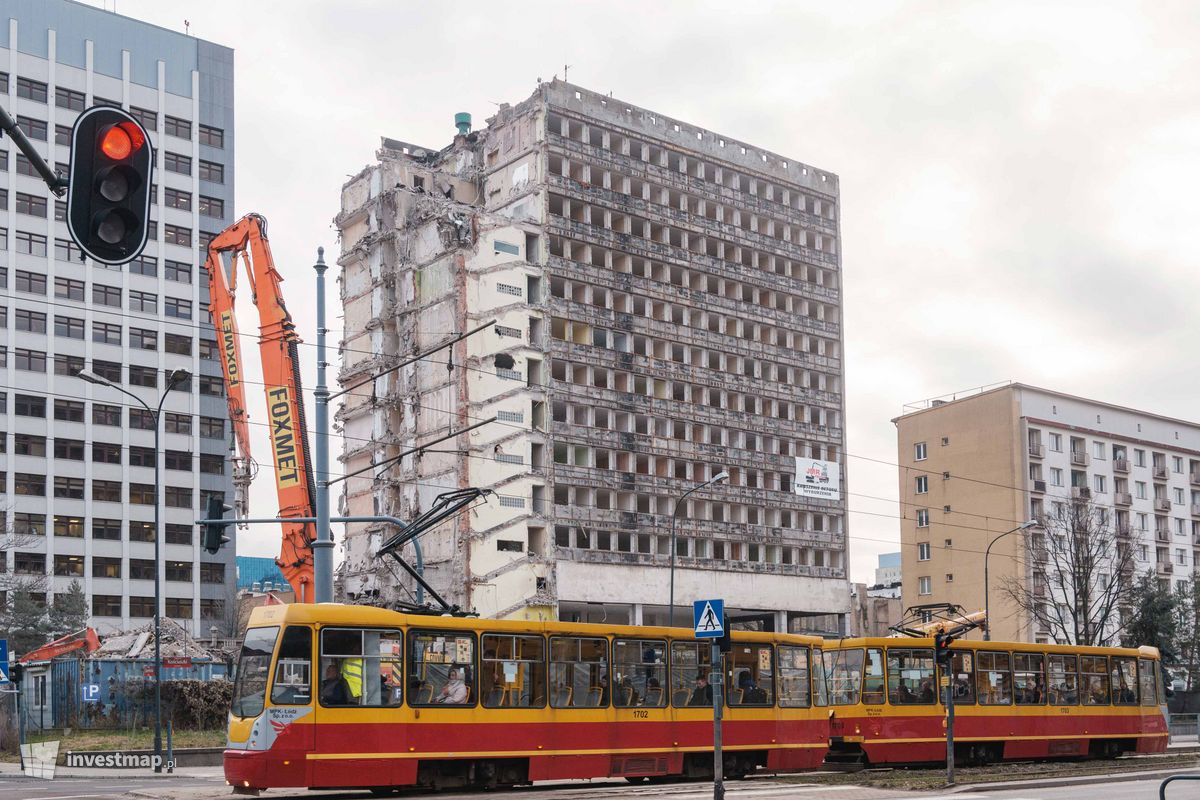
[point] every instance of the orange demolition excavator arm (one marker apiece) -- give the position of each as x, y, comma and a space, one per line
246, 241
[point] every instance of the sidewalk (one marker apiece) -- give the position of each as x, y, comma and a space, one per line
1075, 780
13, 769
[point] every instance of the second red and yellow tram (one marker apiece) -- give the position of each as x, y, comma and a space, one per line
1012, 701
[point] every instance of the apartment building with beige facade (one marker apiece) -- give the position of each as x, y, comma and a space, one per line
668, 307
975, 466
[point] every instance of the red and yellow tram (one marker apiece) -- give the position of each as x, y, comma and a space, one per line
1011, 701
345, 696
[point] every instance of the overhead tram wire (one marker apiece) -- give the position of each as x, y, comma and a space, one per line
449, 364
523, 428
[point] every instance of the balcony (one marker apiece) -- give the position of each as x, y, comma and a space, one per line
1162, 535
1123, 531
1037, 450
1165, 567
1162, 504
1195, 477
1123, 498
1079, 458
1121, 465
1081, 492
1195, 509
1160, 472
1039, 486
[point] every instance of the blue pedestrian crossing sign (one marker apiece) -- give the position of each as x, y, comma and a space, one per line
3, 660
708, 618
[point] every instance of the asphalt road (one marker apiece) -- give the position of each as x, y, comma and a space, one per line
198, 787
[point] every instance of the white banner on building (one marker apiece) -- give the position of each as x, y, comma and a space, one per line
818, 479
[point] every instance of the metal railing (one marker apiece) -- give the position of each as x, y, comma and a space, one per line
1184, 726
1162, 787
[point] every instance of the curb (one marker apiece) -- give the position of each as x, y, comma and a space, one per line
1078, 780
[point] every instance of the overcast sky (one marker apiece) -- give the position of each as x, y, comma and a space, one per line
1015, 176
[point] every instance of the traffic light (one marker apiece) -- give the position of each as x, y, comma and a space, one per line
108, 200
725, 642
214, 537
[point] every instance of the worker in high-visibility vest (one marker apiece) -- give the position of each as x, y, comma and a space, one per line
352, 673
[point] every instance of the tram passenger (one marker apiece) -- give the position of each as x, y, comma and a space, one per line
752, 693
702, 695
653, 693
334, 691
926, 695
454, 693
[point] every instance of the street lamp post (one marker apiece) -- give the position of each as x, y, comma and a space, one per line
720, 476
176, 377
987, 610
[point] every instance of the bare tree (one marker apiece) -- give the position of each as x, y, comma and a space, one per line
1082, 574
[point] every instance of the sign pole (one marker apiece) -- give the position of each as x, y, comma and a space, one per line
708, 620
718, 708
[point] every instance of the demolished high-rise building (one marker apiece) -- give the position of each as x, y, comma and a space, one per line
667, 305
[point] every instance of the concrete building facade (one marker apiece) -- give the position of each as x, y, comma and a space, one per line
78, 479
668, 306
978, 465
873, 611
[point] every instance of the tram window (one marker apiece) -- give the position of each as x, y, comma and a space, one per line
994, 679
793, 677
361, 667
964, 685
873, 682
1146, 675
910, 677
1064, 685
293, 668
441, 668
691, 665
1124, 681
820, 685
512, 671
1029, 679
254, 667
578, 672
1093, 674
750, 674
843, 675
640, 672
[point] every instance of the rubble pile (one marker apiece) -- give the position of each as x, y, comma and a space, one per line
138, 643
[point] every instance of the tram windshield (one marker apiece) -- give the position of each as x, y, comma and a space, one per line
254, 667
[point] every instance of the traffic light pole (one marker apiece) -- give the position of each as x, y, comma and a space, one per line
57, 184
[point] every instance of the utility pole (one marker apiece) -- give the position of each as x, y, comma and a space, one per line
323, 544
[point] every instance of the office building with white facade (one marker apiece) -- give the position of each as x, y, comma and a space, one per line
78, 459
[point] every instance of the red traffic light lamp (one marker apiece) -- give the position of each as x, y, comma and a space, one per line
108, 204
